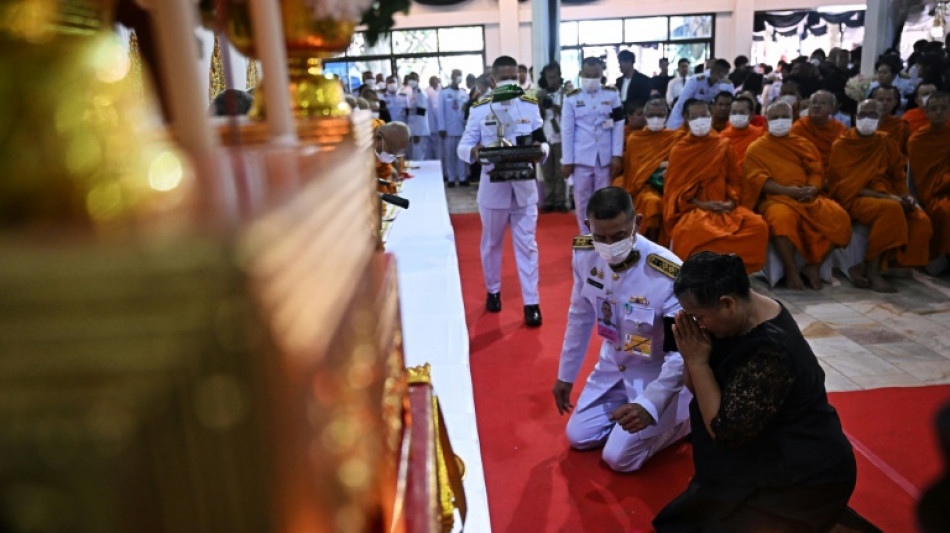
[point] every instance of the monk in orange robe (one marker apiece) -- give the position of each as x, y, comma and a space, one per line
701, 197
819, 126
741, 132
389, 141
636, 121
916, 118
929, 151
722, 105
897, 128
783, 181
645, 155
867, 178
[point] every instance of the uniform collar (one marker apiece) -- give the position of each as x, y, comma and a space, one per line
625, 265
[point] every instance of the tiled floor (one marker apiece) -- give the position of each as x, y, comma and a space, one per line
863, 339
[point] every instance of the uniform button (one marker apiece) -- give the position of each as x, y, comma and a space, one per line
622, 368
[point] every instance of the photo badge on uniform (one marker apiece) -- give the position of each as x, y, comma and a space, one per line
607, 321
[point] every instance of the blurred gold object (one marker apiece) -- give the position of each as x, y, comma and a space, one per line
215, 72
252, 74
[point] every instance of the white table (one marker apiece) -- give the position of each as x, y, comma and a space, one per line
433, 320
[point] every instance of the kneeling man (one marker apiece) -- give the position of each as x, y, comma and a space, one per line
634, 403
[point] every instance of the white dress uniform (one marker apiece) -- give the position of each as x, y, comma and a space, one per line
452, 122
417, 107
697, 87
434, 150
591, 133
632, 366
396, 104
510, 203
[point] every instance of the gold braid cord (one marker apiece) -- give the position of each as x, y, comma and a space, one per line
135, 66
216, 73
253, 75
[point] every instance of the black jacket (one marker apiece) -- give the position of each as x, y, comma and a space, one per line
639, 90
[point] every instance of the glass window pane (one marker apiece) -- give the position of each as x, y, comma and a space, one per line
569, 34
358, 46
645, 29
648, 57
468, 64
461, 39
414, 41
424, 66
600, 31
376, 66
691, 27
696, 53
571, 65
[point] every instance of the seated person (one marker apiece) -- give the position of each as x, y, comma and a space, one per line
721, 108
929, 151
636, 121
868, 179
701, 196
645, 158
897, 128
783, 181
741, 132
768, 448
389, 142
917, 118
819, 127
633, 404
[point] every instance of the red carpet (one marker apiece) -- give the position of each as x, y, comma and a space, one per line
536, 484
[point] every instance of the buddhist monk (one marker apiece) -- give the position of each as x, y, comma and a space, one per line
867, 177
741, 132
783, 180
929, 151
896, 127
757, 119
645, 159
917, 118
722, 105
819, 126
389, 141
636, 121
701, 196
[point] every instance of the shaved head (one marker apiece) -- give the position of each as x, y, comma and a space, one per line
778, 110
821, 106
656, 107
870, 109
395, 136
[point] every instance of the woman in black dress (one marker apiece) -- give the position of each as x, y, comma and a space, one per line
769, 451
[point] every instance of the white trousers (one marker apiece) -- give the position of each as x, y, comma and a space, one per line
587, 180
524, 224
590, 427
419, 150
434, 150
453, 168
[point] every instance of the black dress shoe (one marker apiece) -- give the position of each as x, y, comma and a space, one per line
493, 302
451, 184
546, 209
532, 316
463, 183
562, 209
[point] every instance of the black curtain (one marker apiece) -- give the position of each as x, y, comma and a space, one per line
851, 19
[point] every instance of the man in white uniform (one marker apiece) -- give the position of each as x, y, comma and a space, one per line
417, 107
703, 87
451, 125
634, 403
508, 203
675, 87
434, 150
591, 136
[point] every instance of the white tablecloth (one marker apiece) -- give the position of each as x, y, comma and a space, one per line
433, 319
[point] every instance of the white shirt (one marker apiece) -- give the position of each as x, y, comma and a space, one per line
625, 88
674, 89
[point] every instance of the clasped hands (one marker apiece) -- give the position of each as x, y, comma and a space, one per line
631, 417
715, 206
802, 194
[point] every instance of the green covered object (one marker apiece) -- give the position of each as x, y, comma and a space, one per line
504, 93
656, 179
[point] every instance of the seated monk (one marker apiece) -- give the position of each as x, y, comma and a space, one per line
722, 105
389, 142
897, 128
819, 126
636, 121
917, 118
701, 196
783, 179
644, 157
929, 151
867, 178
741, 132
757, 119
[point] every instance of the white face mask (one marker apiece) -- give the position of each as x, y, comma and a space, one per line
502, 83
590, 84
385, 157
923, 100
701, 126
391, 87
739, 121
615, 253
374, 114
866, 126
456, 80
780, 127
380, 86
413, 83
656, 123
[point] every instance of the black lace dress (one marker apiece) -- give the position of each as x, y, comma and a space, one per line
780, 461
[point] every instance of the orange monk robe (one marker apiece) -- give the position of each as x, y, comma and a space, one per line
930, 169
643, 154
916, 118
793, 161
820, 136
384, 171
876, 163
741, 139
898, 129
705, 169
718, 126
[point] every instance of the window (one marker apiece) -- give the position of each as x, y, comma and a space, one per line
428, 52
649, 38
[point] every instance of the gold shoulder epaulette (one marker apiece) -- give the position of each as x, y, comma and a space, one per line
573, 92
482, 101
663, 265
528, 98
701, 77
583, 242
611, 88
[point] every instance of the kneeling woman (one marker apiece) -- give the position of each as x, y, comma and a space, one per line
768, 449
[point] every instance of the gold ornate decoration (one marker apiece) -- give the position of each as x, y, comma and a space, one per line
420, 374
216, 72
450, 472
135, 65
252, 76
